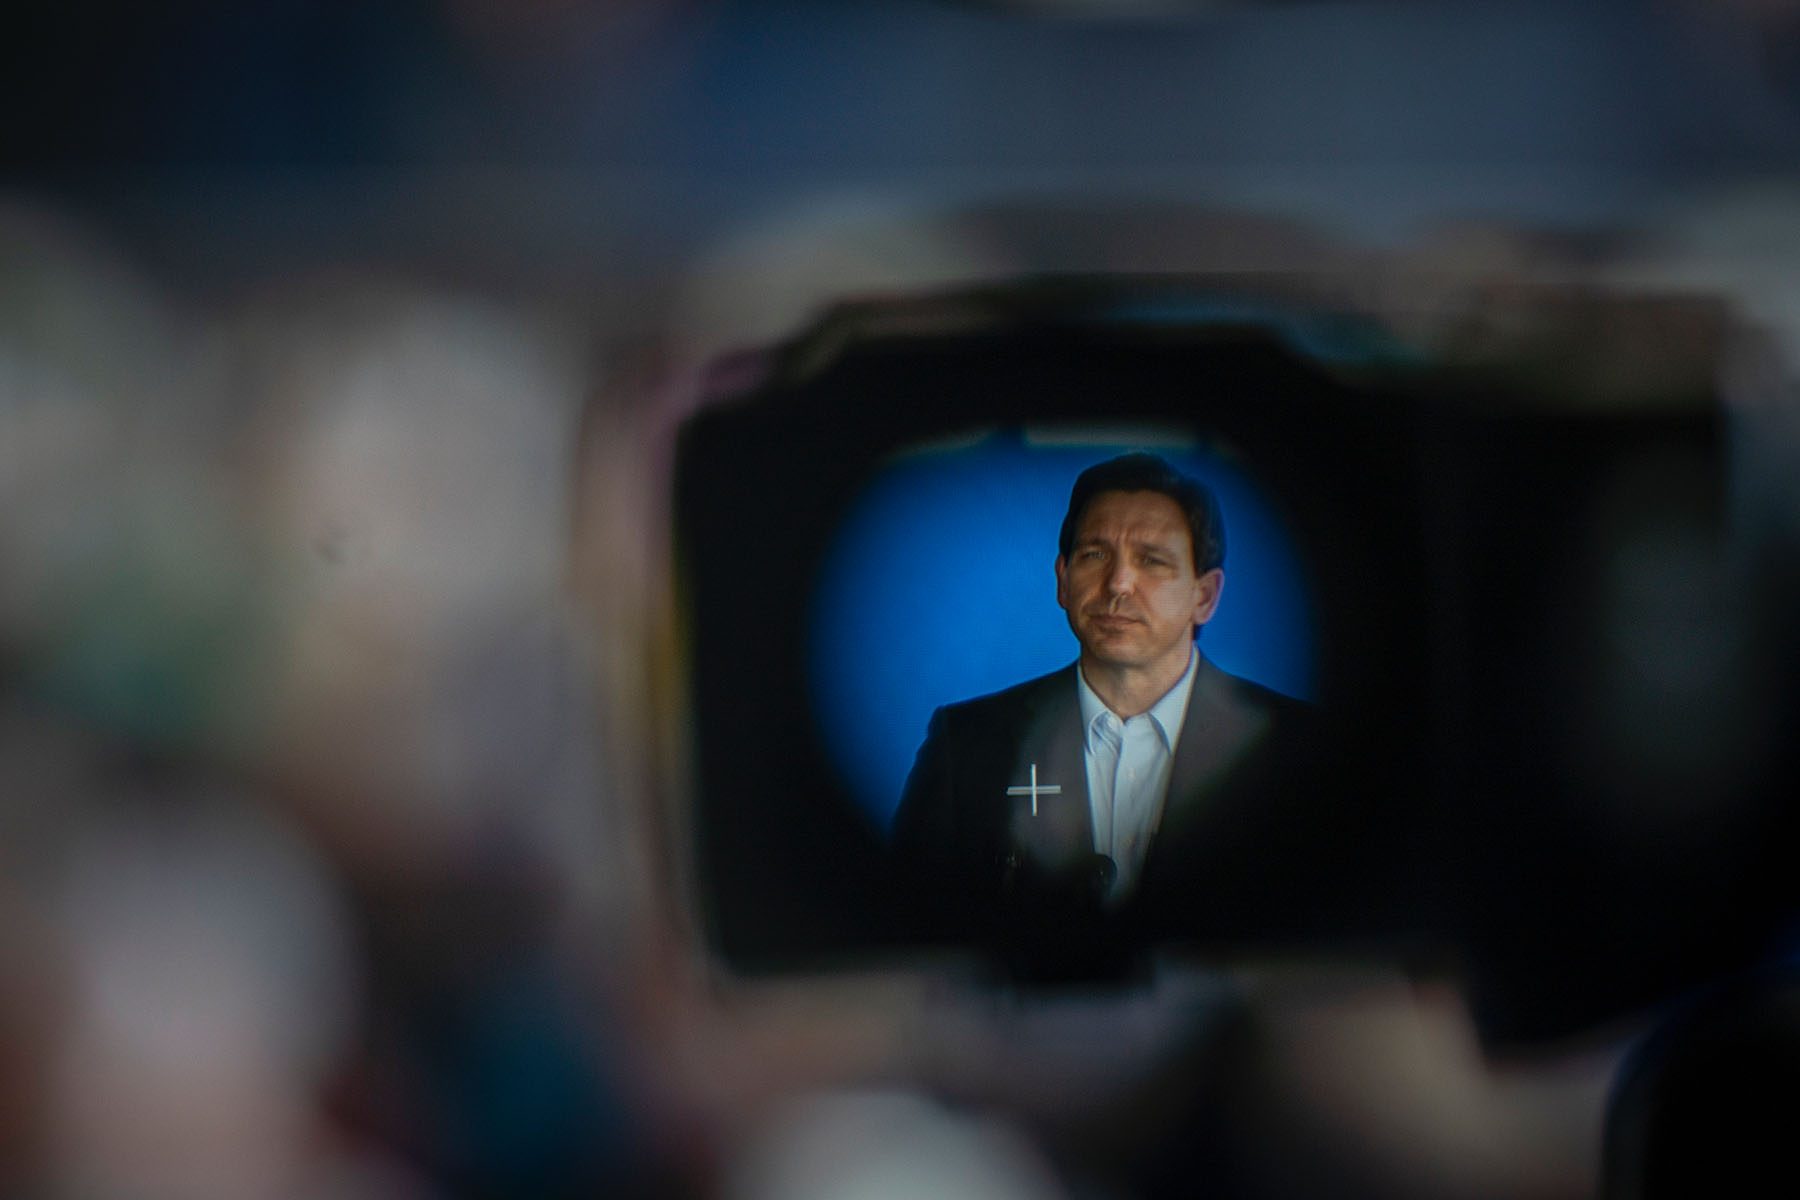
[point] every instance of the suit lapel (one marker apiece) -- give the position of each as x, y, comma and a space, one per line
1051, 737
1218, 728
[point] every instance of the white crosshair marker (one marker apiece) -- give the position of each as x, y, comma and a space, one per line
1034, 791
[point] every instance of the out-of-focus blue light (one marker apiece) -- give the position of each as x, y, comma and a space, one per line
941, 586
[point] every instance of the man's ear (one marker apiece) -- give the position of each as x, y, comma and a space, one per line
1062, 582
1210, 585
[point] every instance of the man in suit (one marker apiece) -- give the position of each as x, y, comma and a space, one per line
1132, 796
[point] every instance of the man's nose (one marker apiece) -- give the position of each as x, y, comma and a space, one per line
1121, 579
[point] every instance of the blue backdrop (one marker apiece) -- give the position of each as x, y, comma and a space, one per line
940, 586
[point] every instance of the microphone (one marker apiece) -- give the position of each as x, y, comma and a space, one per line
1102, 871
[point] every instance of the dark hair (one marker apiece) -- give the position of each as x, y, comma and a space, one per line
1148, 473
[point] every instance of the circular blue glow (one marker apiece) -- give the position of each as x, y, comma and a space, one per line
941, 585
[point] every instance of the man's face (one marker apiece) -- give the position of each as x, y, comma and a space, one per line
1128, 584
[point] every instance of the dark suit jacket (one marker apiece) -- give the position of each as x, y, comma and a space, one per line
1245, 833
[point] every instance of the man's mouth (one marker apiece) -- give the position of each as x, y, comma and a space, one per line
1109, 620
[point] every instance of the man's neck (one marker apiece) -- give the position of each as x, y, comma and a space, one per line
1133, 691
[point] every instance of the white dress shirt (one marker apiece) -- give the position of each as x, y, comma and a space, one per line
1128, 763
